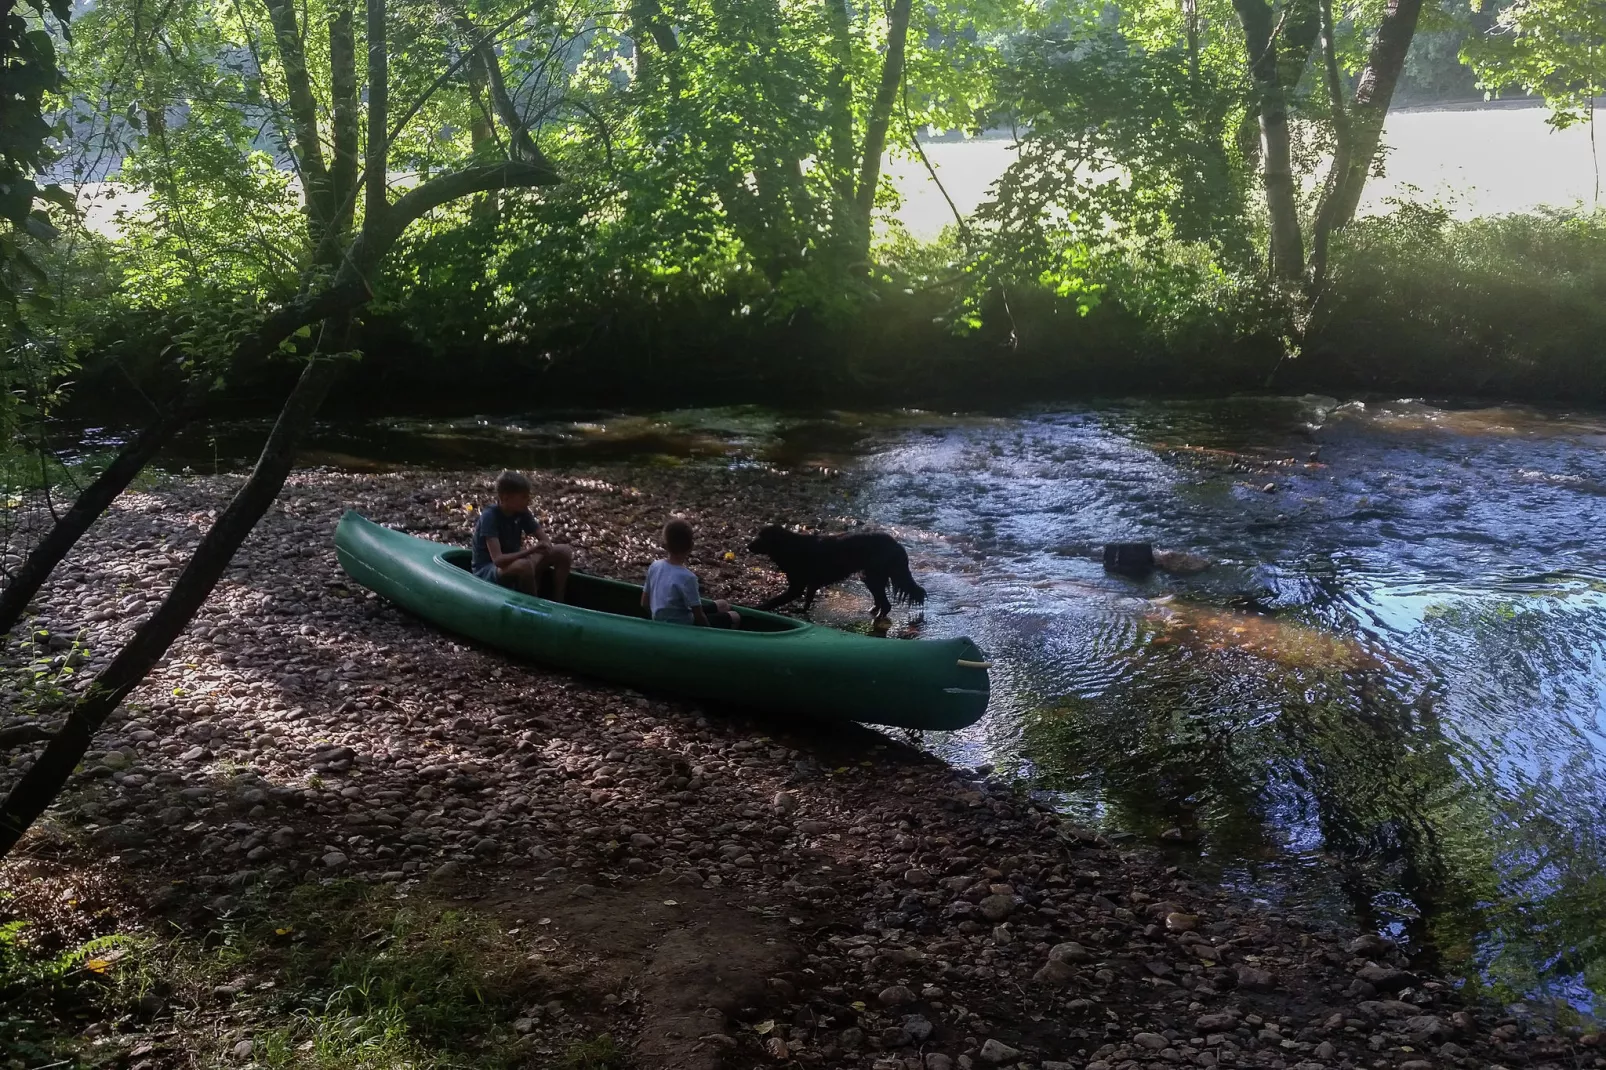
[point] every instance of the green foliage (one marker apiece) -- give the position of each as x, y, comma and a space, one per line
1555, 49
1507, 304
29, 73
599, 1053
1122, 152
44, 988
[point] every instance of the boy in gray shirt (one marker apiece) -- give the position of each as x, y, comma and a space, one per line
671, 593
499, 551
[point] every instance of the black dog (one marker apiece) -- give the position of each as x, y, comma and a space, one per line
815, 561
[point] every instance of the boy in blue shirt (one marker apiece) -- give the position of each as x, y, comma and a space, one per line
499, 551
671, 593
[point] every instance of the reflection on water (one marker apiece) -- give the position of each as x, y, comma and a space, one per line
1384, 696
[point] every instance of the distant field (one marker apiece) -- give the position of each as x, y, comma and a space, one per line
1482, 161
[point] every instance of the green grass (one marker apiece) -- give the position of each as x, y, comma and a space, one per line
599, 1053
366, 981
329, 977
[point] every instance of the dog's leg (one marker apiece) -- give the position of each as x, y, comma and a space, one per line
791, 592
878, 591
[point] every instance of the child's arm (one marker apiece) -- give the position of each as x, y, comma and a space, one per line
493, 546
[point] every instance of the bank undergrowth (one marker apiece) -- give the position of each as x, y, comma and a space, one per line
1417, 303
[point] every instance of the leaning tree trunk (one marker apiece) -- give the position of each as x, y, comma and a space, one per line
46, 777
94, 500
91, 502
1363, 128
875, 131
44, 780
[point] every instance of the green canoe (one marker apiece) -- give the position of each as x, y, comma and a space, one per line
774, 663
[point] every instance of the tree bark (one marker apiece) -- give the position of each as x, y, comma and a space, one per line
377, 161
343, 89
875, 132
1278, 55
34, 793
1373, 95
92, 501
1322, 229
304, 116
840, 98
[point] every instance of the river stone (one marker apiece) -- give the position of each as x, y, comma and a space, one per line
997, 907
1069, 951
895, 996
996, 1052
1386, 978
1152, 1041
120, 836
1369, 944
1054, 972
1255, 979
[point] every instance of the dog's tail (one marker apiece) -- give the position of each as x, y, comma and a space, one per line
905, 590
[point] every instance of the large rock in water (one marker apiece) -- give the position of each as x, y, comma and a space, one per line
1129, 558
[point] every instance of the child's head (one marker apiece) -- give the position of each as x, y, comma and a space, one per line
678, 537
513, 492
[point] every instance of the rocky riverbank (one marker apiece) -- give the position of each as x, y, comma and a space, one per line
709, 890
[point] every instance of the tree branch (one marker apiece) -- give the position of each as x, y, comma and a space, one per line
379, 235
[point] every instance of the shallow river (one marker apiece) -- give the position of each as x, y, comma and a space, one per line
1384, 698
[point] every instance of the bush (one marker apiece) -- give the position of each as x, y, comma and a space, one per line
1512, 306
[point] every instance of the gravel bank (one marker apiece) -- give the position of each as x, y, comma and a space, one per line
720, 891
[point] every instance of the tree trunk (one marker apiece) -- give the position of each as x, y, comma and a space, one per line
1277, 57
1282, 198
377, 161
1322, 230
875, 132
343, 89
1373, 95
840, 101
304, 115
90, 504
34, 793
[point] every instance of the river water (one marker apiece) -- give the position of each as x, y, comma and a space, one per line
1383, 699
